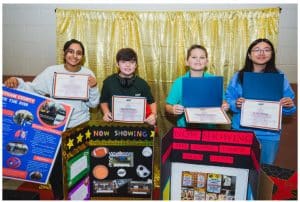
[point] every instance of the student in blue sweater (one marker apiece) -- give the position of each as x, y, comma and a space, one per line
260, 58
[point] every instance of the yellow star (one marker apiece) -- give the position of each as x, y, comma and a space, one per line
152, 134
88, 135
79, 138
70, 143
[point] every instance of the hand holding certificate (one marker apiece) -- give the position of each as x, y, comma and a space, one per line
261, 114
202, 105
206, 115
129, 109
71, 86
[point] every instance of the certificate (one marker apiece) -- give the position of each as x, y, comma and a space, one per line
261, 114
71, 86
206, 115
129, 109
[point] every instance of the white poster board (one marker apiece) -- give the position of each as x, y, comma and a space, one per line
205, 182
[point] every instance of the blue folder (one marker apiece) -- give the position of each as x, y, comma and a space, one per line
263, 86
202, 92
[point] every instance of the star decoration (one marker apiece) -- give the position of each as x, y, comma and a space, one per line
79, 138
285, 188
88, 135
152, 134
70, 143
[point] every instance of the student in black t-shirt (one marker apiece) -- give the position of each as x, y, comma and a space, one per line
126, 83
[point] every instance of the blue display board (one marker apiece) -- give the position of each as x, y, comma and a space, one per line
31, 136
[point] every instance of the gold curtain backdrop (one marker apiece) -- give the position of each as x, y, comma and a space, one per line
161, 40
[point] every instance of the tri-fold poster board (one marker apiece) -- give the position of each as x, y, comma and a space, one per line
208, 164
108, 161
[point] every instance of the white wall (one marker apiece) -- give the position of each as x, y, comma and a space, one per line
29, 35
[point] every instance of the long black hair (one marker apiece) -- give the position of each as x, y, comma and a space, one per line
248, 66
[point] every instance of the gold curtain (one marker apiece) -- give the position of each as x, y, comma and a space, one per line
161, 40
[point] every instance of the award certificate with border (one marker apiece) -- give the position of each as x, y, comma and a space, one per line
261, 114
71, 86
129, 109
206, 115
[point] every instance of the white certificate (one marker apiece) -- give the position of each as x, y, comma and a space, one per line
129, 109
71, 86
206, 115
261, 114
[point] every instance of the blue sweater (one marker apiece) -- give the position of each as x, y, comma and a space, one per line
235, 91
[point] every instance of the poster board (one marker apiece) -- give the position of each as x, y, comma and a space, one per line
234, 150
31, 136
112, 161
76, 163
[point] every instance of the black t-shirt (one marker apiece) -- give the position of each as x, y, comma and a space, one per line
112, 86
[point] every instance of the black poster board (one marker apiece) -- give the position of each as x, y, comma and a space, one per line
111, 161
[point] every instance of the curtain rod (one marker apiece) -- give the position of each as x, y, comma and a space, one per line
280, 9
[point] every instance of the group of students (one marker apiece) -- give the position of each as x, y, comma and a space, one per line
260, 58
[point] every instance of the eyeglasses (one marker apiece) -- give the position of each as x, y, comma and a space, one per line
259, 51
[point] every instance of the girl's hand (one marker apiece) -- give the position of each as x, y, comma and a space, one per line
239, 102
287, 102
225, 106
178, 109
12, 82
92, 82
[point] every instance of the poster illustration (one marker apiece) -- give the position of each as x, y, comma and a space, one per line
205, 182
108, 161
31, 135
207, 186
122, 171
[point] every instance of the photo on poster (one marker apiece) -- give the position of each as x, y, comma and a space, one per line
121, 171
77, 167
120, 159
52, 114
205, 182
81, 191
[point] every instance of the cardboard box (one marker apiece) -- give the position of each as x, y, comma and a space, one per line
229, 160
276, 183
